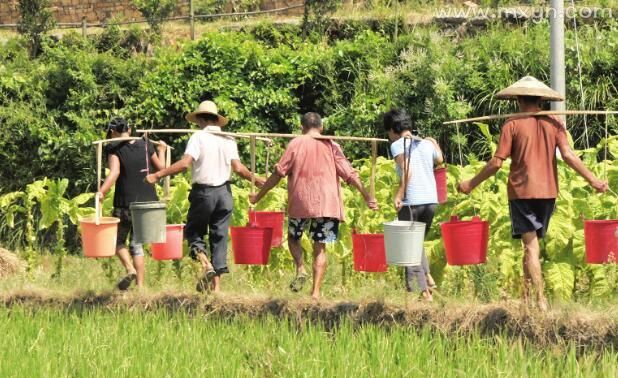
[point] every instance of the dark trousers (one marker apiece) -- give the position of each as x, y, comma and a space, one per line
424, 214
210, 211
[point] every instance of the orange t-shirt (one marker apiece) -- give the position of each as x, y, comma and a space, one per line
531, 143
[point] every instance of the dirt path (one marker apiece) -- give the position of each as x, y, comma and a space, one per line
583, 328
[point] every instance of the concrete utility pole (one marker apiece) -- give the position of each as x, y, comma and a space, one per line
556, 20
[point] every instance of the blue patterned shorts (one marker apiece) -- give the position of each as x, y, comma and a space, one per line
321, 230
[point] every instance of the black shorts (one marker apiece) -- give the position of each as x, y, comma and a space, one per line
529, 215
125, 227
321, 230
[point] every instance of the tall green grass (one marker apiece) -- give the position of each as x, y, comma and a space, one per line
55, 343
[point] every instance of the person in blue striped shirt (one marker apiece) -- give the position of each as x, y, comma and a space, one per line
417, 197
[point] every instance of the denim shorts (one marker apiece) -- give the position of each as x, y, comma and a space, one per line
125, 227
321, 230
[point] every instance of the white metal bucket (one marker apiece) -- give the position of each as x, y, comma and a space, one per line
403, 242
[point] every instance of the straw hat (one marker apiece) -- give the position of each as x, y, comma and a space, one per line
206, 107
529, 86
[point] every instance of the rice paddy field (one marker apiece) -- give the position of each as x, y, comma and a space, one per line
78, 326
102, 343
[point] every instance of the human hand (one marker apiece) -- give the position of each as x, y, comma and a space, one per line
600, 186
100, 196
253, 198
151, 178
398, 201
371, 202
259, 181
162, 146
464, 187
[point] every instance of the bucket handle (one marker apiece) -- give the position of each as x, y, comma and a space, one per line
97, 209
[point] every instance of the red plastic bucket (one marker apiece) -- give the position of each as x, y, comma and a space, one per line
272, 219
601, 237
368, 252
251, 245
172, 248
465, 242
440, 176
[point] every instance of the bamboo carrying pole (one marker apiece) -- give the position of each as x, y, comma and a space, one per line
99, 161
528, 114
168, 162
325, 137
253, 164
372, 180
189, 131
103, 141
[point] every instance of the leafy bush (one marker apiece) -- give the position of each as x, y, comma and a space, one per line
35, 21
155, 11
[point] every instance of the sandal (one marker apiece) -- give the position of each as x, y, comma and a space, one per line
125, 282
298, 282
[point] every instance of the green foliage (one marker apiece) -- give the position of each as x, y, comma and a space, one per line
155, 11
316, 15
35, 20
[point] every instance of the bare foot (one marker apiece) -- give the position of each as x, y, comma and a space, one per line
543, 305
426, 294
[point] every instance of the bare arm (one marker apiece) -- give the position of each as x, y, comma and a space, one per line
440, 158
371, 202
179, 166
158, 159
403, 180
272, 181
490, 169
242, 171
577, 164
114, 172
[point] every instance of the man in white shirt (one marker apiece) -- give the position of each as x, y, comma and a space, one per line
212, 159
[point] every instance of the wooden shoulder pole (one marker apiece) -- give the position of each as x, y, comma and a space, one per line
374, 156
99, 163
253, 164
168, 162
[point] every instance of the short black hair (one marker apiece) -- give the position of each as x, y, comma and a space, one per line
311, 120
397, 120
207, 117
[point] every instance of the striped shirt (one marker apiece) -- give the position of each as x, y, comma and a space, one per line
421, 189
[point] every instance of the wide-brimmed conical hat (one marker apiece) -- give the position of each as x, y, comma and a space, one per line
206, 107
529, 86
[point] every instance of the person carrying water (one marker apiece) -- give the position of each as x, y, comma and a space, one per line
416, 198
531, 142
129, 162
212, 159
313, 167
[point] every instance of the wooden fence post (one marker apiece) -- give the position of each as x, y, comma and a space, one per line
192, 18
84, 27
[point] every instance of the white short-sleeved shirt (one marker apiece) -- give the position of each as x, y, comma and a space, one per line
212, 157
421, 189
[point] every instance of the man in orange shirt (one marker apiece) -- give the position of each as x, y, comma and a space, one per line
313, 168
531, 142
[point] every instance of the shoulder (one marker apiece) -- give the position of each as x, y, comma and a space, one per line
554, 121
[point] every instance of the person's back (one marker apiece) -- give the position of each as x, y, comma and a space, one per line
531, 144
421, 188
213, 156
134, 166
313, 184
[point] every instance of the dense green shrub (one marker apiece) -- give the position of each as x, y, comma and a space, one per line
263, 78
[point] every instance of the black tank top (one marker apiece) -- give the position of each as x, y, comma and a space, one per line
134, 166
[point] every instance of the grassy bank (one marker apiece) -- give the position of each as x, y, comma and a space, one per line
103, 343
